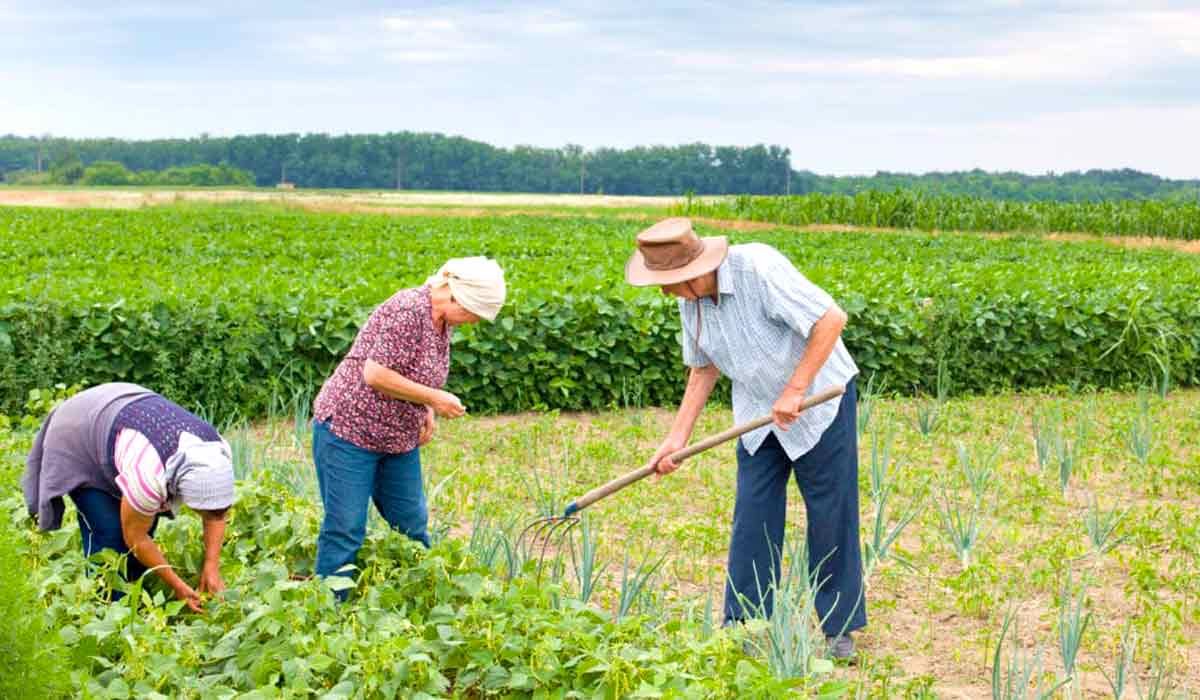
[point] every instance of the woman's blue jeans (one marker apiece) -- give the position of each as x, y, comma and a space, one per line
350, 478
100, 527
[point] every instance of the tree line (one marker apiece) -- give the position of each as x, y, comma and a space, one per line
429, 161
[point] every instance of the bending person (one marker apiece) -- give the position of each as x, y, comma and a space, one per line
126, 456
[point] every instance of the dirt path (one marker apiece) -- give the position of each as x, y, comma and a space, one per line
371, 200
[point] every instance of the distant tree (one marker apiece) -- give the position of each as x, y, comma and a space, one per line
106, 173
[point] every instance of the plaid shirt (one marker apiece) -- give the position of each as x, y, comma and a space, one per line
756, 336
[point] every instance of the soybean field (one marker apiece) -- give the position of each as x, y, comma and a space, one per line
1029, 439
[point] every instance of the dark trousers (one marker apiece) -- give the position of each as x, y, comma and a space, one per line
350, 478
828, 479
100, 527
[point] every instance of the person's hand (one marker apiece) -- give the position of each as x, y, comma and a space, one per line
662, 456
190, 597
787, 407
210, 581
427, 428
447, 405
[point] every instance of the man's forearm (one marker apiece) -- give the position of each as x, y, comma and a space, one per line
701, 381
821, 341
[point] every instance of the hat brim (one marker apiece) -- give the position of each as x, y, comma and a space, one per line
715, 250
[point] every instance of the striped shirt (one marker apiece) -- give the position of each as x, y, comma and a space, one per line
757, 334
140, 473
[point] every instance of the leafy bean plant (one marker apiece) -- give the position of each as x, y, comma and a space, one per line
418, 623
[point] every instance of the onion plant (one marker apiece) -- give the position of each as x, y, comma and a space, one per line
1072, 624
1124, 663
979, 468
1139, 437
1022, 677
1160, 684
883, 480
635, 583
587, 574
791, 638
1101, 526
491, 544
962, 525
868, 399
929, 412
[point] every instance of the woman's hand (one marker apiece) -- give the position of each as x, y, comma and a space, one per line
447, 405
428, 428
190, 597
210, 581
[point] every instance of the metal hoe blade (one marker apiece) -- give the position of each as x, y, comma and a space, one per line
545, 535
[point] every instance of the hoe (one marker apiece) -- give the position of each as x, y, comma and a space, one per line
547, 533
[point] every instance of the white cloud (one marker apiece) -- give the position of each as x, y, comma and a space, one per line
418, 24
850, 87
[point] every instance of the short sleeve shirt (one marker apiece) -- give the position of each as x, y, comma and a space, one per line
399, 335
756, 335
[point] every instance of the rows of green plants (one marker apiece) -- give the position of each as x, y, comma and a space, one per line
914, 209
435, 624
231, 309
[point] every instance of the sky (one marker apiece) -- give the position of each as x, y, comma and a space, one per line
850, 87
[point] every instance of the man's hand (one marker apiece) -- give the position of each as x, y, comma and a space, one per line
787, 407
662, 460
210, 581
185, 593
447, 405
428, 428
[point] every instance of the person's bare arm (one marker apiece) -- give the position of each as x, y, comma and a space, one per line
391, 383
821, 341
210, 573
701, 381
135, 528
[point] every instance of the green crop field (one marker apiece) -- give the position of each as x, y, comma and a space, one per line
239, 308
912, 209
1029, 441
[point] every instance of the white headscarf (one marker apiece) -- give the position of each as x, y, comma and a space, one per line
200, 474
476, 283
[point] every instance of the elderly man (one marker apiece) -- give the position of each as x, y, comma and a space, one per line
749, 314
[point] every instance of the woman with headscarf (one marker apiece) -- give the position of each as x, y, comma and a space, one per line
124, 456
380, 406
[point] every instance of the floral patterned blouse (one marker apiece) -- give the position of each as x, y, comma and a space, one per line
399, 335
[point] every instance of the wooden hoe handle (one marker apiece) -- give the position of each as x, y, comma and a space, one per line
640, 473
